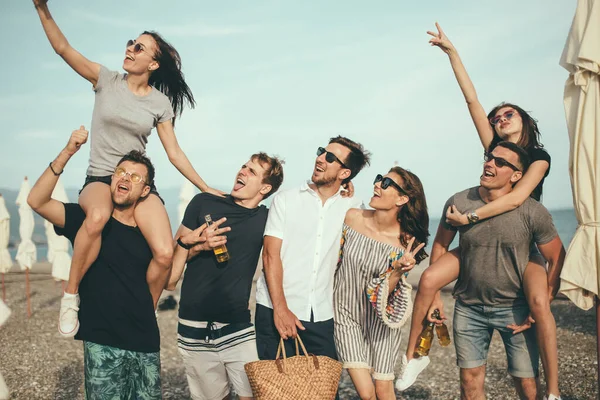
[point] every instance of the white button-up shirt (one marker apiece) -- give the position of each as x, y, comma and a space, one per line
311, 233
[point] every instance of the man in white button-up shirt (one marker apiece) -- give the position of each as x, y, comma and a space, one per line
300, 253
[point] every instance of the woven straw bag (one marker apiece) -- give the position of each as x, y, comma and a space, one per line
295, 378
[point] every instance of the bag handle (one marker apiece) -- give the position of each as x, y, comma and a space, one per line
280, 362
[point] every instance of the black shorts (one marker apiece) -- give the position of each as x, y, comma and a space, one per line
107, 179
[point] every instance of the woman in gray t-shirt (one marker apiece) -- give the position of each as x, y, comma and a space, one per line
128, 106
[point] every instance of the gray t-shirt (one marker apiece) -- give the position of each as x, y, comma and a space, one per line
495, 252
122, 121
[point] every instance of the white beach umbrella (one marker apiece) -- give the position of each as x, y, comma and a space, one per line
26, 252
5, 260
4, 314
580, 278
581, 57
58, 246
186, 194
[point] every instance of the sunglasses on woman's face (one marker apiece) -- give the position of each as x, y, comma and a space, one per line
137, 47
499, 161
330, 157
507, 115
386, 182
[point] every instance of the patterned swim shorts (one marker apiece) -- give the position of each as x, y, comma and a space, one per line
112, 373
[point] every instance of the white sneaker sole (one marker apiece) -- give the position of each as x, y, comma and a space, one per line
69, 334
402, 385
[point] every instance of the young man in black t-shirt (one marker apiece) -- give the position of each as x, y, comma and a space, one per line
117, 322
215, 335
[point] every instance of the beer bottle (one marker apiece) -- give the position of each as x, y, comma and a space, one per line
221, 251
441, 330
425, 339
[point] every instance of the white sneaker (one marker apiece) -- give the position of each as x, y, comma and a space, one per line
412, 369
68, 323
552, 397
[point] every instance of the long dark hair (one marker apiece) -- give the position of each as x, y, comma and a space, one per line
530, 135
413, 216
168, 78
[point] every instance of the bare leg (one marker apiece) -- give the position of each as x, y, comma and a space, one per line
535, 284
527, 388
472, 382
152, 219
97, 204
361, 377
434, 278
385, 390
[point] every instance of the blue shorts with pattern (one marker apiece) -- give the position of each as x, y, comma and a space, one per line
474, 326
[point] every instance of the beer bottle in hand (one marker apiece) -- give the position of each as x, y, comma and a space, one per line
220, 251
441, 330
425, 339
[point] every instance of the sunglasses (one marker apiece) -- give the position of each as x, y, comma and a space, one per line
134, 176
386, 182
507, 115
330, 157
500, 162
137, 47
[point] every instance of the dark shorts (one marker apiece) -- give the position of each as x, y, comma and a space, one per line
318, 336
107, 179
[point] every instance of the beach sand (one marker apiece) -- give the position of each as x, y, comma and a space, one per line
38, 364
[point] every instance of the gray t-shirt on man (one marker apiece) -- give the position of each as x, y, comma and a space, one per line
495, 251
122, 121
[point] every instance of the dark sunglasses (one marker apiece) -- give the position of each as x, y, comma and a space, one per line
507, 115
330, 157
386, 182
137, 47
500, 162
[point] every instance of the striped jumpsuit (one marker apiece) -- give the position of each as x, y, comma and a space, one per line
367, 319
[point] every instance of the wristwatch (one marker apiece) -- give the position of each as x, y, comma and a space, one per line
472, 217
185, 246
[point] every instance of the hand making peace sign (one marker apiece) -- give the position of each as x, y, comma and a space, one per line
441, 40
407, 261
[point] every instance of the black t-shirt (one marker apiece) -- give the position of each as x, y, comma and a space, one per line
535, 154
219, 292
116, 305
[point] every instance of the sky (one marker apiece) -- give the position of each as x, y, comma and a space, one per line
285, 76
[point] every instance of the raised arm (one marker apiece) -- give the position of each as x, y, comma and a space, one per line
478, 114
178, 158
522, 190
84, 67
554, 253
39, 198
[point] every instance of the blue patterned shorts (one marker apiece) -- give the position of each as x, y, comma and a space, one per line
117, 374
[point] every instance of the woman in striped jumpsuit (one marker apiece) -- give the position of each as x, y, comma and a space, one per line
371, 297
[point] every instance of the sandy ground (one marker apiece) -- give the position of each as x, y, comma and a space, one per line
37, 364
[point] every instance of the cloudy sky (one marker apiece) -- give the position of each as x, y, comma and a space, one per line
284, 76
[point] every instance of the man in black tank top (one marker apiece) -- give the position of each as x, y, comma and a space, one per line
117, 321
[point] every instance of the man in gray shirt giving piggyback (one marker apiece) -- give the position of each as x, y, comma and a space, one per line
489, 291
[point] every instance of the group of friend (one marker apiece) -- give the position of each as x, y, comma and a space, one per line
333, 273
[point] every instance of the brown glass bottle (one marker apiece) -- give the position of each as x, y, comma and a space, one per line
441, 331
425, 339
221, 251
